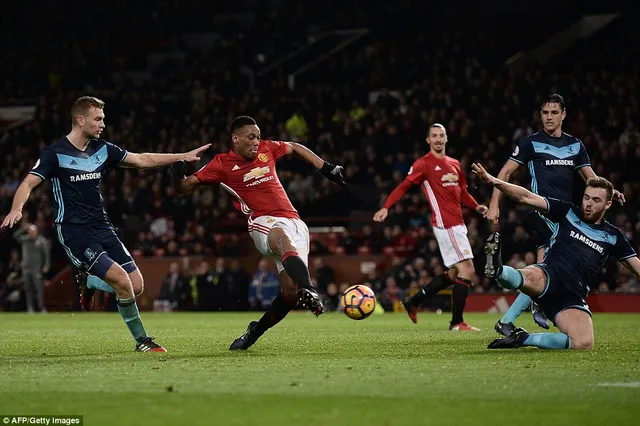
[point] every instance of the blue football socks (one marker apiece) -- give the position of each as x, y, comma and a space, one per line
131, 316
549, 340
519, 305
510, 278
96, 283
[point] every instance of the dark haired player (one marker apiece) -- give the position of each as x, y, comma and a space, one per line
445, 186
552, 158
580, 245
248, 172
75, 165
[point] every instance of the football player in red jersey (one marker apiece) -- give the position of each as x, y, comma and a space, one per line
445, 186
248, 172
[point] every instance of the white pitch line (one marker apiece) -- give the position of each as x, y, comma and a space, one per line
621, 385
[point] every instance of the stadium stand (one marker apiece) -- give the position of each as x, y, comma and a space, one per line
368, 107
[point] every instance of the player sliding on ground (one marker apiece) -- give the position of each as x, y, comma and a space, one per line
553, 158
445, 186
248, 172
580, 245
75, 165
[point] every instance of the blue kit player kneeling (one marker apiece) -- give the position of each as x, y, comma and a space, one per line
75, 166
580, 245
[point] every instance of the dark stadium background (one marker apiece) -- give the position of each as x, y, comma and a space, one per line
359, 82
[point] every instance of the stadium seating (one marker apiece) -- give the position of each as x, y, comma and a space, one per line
367, 107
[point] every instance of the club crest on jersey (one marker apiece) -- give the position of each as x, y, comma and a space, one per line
263, 158
256, 173
449, 179
89, 254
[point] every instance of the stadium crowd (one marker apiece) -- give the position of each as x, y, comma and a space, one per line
367, 108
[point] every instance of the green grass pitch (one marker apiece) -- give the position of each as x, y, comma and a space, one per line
312, 371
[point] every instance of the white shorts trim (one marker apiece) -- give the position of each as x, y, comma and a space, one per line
295, 229
454, 244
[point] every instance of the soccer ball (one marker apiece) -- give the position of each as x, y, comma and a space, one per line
358, 302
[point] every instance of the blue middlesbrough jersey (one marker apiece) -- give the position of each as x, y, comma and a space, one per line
580, 249
82, 225
552, 163
75, 179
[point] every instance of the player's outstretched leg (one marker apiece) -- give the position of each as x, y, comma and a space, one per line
520, 337
576, 332
299, 273
574, 324
505, 324
125, 299
493, 250
493, 269
538, 314
281, 244
279, 309
412, 305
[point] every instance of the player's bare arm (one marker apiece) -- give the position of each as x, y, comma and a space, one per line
587, 172
152, 160
333, 172
517, 193
633, 265
19, 199
396, 195
493, 214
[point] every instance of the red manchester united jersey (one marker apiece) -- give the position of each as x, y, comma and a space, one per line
254, 184
445, 186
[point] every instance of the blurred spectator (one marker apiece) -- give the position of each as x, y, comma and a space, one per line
34, 264
11, 293
173, 289
324, 275
220, 291
265, 286
331, 298
200, 285
238, 282
391, 298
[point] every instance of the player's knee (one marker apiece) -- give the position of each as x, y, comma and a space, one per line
119, 279
138, 286
581, 341
137, 282
465, 270
468, 274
